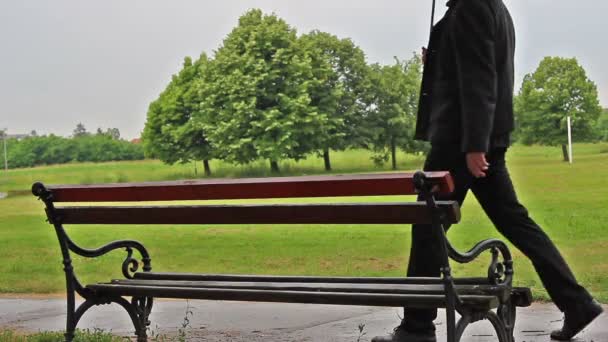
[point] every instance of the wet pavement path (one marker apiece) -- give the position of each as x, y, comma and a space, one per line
252, 322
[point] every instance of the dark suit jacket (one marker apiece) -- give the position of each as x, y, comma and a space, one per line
467, 88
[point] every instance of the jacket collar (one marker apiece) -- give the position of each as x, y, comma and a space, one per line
451, 3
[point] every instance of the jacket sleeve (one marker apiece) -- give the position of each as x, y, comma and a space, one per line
473, 39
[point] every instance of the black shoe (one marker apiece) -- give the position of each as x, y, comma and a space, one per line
577, 320
402, 335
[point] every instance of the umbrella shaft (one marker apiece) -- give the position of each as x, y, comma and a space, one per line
433, 15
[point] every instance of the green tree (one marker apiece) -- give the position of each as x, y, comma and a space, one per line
602, 126
52, 149
256, 100
339, 93
390, 122
79, 131
113, 133
557, 89
103, 147
42, 150
170, 133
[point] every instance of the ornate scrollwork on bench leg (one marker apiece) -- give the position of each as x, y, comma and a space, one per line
453, 302
499, 273
462, 324
507, 313
503, 322
499, 327
138, 309
143, 307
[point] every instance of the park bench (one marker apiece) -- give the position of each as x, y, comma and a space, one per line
490, 297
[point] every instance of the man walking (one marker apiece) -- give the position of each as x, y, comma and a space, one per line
466, 112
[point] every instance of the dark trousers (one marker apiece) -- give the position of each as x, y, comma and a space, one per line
497, 197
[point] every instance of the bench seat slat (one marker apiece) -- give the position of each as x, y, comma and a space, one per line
352, 213
493, 290
304, 297
301, 279
380, 184
521, 296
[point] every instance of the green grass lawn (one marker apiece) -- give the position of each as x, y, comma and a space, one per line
569, 201
20, 180
81, 336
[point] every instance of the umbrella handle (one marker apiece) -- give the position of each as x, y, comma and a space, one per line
432, 17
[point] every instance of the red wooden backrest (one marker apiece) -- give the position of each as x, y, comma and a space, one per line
250, 188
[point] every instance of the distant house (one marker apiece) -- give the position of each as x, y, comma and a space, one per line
136, 141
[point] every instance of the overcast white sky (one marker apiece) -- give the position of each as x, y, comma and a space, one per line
102, 62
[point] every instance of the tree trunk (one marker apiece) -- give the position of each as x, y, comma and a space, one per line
326, 159
195, 169
207, 167
394, 154
274, 166
565, 152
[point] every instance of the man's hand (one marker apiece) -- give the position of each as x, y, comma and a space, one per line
477, 164
424, 52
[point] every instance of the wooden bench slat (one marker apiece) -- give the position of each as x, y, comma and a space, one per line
251, 188
351, 213
521, 296
304, 297
302, 279
492, 290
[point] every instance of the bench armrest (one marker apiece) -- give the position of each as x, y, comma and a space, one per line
499, 273
129, 266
